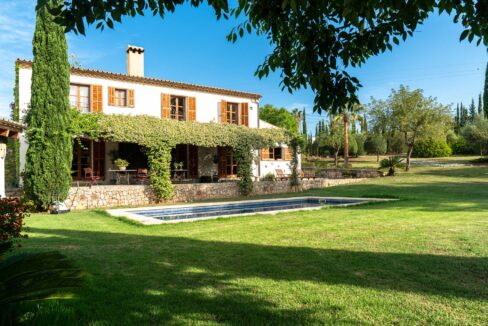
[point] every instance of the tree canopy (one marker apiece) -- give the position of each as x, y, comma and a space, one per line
279, 117
315, 43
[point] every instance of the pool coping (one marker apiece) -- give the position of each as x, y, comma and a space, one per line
145, 220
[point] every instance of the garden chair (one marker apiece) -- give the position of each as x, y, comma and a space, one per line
91, 176
142, 175
280, 175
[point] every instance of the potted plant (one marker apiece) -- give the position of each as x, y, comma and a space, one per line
178, 165
121, 163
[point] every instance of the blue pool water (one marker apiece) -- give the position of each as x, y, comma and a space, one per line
226, 209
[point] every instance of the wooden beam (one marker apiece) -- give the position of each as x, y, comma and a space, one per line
4, 132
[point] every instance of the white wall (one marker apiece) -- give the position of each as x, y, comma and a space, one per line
148, 100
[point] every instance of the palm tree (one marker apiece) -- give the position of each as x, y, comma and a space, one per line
349, 114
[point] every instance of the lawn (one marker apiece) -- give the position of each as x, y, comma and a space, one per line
421, 260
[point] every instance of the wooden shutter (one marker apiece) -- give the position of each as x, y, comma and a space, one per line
244, 114
223, 111
165, 106
96, 98
111, 96
192, 109
193, 161
99, 158
130, 98
222, 156
265, 154
287, 154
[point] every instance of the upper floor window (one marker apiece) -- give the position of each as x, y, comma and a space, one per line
79, 97
232, 113
120, 97
235, 113
178, 108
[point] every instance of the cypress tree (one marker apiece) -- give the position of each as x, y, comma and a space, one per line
457, 119
485, 93
480, 106
472, 111
304, 123
48, 160
464, 114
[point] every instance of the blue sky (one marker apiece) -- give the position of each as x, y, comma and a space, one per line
190, 46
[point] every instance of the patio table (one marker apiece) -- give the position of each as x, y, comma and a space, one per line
120, 174
179, 174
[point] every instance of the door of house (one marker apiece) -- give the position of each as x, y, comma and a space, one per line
227, 163
188, 155
88, 154
193, 161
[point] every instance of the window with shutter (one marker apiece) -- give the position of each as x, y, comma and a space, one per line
131, 99
265, 154
96, 98
245, 114
165, 106
111, 96
223, 111
192, 109
288, 155
121, 97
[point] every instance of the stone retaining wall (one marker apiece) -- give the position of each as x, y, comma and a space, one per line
351, 173
105, 196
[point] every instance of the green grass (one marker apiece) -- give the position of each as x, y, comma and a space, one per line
418, 261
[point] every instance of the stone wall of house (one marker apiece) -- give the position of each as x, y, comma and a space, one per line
104, 196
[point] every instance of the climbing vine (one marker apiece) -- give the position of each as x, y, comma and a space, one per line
12, 164
158, 137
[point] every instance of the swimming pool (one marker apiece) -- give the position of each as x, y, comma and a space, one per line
193, 212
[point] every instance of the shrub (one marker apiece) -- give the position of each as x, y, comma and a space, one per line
460, 146
392, 163
269, 177
12, 214
431, 148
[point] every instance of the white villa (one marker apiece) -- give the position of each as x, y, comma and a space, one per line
134, 94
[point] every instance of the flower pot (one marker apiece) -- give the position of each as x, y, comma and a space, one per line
122, 168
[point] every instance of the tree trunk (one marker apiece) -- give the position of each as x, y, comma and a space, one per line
346, 141
336, 155
377, 157
409, 154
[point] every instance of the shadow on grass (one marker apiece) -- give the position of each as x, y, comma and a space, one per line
140, 279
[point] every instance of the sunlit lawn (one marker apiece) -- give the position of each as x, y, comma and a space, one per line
419, 261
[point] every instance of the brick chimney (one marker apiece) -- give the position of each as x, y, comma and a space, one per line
135, 61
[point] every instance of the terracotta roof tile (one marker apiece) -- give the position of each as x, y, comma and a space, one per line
150, 81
